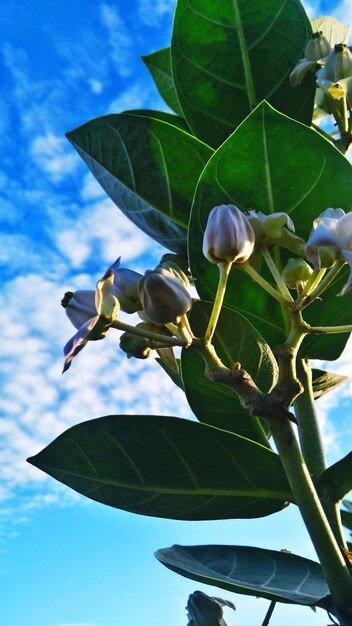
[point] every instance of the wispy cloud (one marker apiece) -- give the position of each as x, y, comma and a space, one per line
151, 11
54, 156
119, 39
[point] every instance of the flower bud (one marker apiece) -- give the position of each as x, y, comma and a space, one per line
164, 298
79, 306
317, 47
338, 64
229, 236
296, 272
176, 271
134, 346
269, 228
125, 288
204, 610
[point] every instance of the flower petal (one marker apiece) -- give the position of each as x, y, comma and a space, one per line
78, 341
322, 235
347, 254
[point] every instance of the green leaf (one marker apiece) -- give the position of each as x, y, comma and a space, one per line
175, 376
333, 30
163, 116
323, 382
159, 66
278, 576
148, 167
235, 339
167, 467
229, 55
272, 163
336, 480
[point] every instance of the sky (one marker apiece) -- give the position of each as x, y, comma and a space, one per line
66, 560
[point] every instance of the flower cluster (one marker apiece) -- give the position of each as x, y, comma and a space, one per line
160, 297
333, 70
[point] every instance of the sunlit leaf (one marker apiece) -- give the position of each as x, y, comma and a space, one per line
229, 55
167, 467
269, 164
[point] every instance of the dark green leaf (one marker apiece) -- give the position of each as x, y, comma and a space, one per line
336, 480
279, 576
235, 340
148, 167
229, 55
269, 164
159, 65
323, 382
167, 467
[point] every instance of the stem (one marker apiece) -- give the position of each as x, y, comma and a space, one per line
269, 613
276, 274
142, 332
224, 270
313, 282
330, 329
324, 284
262, 282
309, 431
335, 569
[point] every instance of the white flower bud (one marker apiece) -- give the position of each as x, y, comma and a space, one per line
229, 236
317, 47
338, 64
164, 298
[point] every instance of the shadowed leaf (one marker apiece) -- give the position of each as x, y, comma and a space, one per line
279, 576
167, 467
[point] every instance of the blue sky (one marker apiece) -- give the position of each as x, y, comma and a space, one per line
64, 560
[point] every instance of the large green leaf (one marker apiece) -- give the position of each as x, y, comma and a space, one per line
167, 467
159, 65
272, 163
279, 576
235, 340
229, 55
148, 167
336, 480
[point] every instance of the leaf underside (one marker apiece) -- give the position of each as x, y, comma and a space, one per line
279, 576
167, 467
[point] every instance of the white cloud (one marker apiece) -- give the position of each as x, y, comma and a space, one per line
343, 12
135, 97
54, 156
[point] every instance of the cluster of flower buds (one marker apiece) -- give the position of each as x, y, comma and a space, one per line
203, 610
333, 68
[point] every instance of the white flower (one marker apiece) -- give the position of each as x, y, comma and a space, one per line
228, 236
332, 230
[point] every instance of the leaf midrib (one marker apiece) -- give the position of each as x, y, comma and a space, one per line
259, 493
